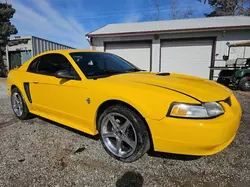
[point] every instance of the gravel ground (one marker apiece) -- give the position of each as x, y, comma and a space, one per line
39, 152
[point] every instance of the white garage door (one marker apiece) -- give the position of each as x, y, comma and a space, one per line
138, 53
192, 57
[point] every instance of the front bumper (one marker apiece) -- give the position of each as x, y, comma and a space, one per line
196, 136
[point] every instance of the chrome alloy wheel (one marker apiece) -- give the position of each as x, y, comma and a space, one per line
119, 135
17, 104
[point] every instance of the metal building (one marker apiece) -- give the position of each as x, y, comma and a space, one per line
22, 48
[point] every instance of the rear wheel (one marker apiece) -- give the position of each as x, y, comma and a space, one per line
244, 84
123, 133
18, 105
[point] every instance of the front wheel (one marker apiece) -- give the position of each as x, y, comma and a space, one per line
244, 84
123, 133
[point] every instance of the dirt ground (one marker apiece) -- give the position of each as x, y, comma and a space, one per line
38, 152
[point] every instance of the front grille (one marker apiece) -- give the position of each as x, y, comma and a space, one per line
228, 101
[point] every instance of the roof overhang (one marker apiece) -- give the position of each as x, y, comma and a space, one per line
169, 31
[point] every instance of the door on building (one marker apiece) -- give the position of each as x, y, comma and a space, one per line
15, 59
138, 53
192, 57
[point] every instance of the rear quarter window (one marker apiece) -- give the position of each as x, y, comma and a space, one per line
33, 65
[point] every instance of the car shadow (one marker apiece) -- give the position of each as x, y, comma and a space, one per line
172, 156
130, 179
151, 153
96, 137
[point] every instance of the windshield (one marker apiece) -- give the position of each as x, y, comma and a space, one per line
97, 64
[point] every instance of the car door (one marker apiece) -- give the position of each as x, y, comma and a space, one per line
56, 98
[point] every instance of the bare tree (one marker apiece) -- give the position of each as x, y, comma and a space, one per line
177, 13
157, 7
174, 9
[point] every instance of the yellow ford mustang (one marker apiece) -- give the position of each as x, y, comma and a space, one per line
132, 110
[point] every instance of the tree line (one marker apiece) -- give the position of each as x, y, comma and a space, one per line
228, 7
219, 8
6, 29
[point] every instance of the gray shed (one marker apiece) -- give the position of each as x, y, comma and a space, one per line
22, 48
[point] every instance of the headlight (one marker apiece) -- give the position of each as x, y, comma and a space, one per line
206, 110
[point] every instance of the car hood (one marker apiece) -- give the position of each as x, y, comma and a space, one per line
197, 88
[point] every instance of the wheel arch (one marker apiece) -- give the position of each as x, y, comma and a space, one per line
113, 102
242, 74
246, 75
24, 95
13, 86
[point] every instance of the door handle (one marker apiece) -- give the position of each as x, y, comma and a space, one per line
35, 82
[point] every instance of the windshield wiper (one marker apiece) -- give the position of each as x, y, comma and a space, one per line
112, 72
98, 76
106, 73
133, 70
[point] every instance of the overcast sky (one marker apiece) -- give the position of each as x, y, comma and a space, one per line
67, 21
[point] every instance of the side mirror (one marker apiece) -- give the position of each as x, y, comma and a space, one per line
64, 74
225, 57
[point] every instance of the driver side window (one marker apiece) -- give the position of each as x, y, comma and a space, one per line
51, 63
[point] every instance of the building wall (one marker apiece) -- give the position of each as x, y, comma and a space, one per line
222, 37
40, 45
21, 46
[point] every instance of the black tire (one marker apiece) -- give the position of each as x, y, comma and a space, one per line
138, 123
243, 84
25, 111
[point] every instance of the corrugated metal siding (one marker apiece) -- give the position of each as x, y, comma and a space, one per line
40, 45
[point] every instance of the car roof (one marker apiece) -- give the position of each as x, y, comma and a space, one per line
69, 51
61, 51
